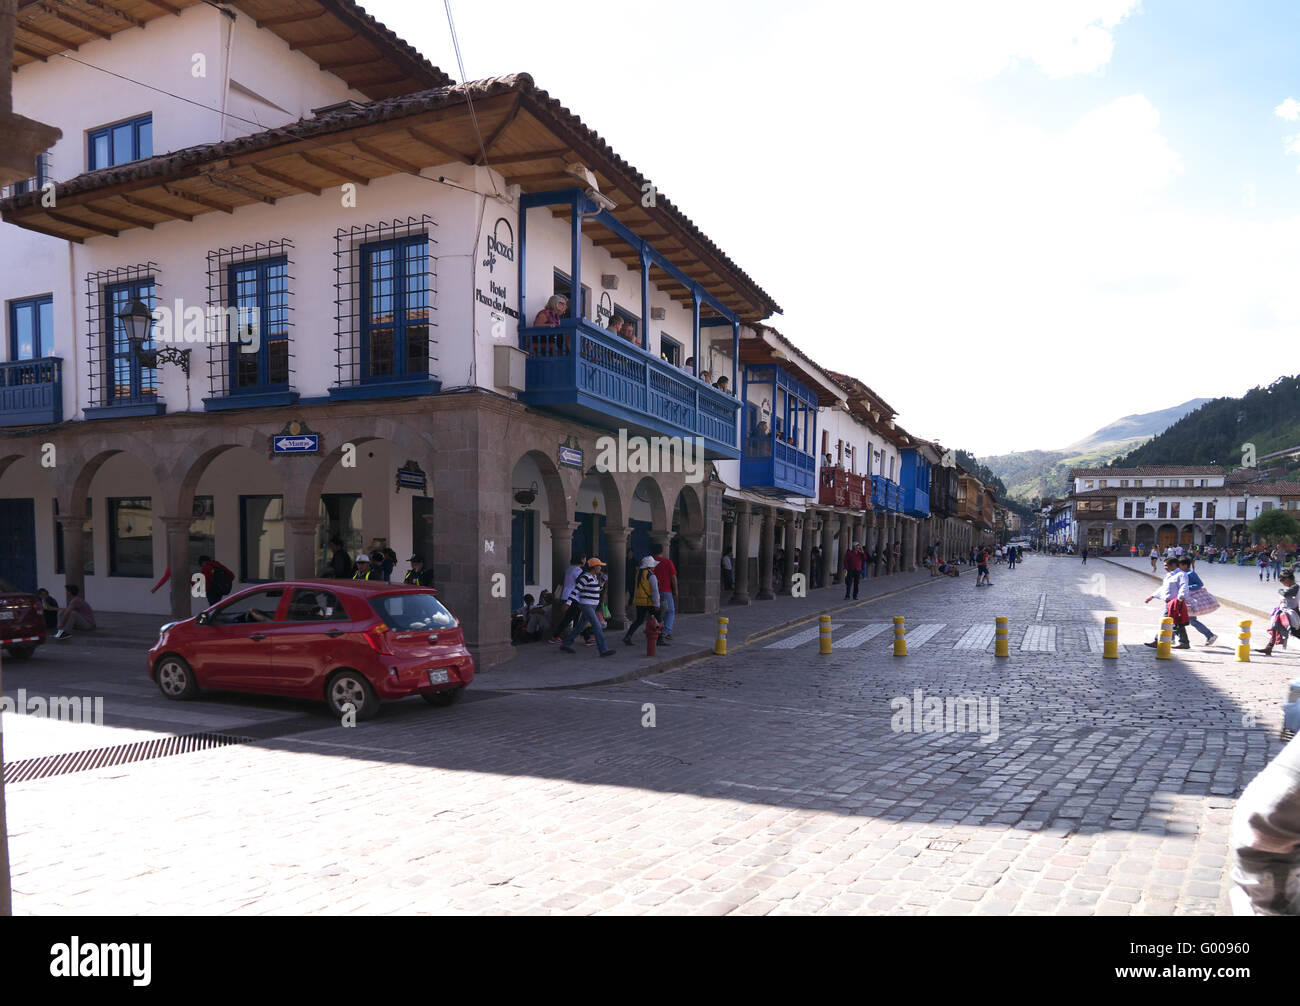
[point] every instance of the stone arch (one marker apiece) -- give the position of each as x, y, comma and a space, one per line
552, 484
1146, 536
654, 498
1166, 536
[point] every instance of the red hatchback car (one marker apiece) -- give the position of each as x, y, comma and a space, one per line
349, 642
22, 623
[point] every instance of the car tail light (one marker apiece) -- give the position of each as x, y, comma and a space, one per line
376, 637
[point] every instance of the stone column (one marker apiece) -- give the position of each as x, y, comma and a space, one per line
787, 554
909, 546
740, 557
829, 573
74, 551
766, 544
561, 547
806, 546
300, 559
617, 571
178, 558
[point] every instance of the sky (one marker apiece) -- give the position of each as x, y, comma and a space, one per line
1016, 220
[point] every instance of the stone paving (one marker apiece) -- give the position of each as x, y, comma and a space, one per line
773, 781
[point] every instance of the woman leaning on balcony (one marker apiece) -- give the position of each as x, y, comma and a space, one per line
555, 311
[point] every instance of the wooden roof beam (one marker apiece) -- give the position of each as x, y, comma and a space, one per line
121, 217
211, 204
164, 6
42, 56
85, 225
334, 169
50, 231
75, 22
48, 36
343, 64
145, 204
419, 136
314, 43
384, 157
293, 183
502, 126
279, 19
531, 155
108, 10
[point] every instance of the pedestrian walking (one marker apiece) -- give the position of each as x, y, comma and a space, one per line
1265, 567
1199, 601
1285, 618
645, 596
588, 586
1173, 592
728, 577
853, 560
666, 573
1276, 558
982, 568
218, 581
1155, 558
1013, 554
340, 561
568, 594
1085, 555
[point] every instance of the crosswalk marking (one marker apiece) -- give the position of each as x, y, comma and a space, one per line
861, 636
977, 637
1039, 639
1042, 606
922, 634
798, 639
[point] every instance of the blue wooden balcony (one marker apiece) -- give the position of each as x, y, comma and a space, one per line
914, 477
582, 371
31, 392
884, 493
770, 465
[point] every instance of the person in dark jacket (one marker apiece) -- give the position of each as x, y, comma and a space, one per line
418, 575
367, 569
218, 581
340, 563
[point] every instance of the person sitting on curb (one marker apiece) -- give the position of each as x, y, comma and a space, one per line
76, 614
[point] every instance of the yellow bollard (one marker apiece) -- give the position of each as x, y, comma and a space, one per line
1001, 647
1164, 644
1110, 640
1243, 641
900, 641
825, 633
720, 645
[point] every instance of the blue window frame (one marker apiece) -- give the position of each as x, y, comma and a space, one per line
395, 309
670, 350
259, 289
31, 328
127, 380
120, 143
37, 180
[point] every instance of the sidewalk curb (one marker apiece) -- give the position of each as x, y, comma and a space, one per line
686, 659
1223, 602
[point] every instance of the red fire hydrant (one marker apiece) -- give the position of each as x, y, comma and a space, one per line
652, 630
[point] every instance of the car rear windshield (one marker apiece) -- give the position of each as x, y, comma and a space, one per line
412, 612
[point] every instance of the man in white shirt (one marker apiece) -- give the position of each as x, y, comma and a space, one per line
1174, 588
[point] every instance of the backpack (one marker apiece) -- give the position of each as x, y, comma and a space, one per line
221, 580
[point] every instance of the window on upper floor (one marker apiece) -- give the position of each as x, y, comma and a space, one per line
1123, 483
126, 378
891, 468
1160, 483
259, 357
119, 143
1173, 509
670, 350
1265, 506
31, 328
1102, 484
1163, 510
1137, 483
1196, 511
395, 309
1188, 483
1128, 510
563, 287
1087, 484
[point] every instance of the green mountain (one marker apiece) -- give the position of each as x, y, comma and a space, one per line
1035, 474
1219, 432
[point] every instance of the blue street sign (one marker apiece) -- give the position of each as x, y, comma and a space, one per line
304, 443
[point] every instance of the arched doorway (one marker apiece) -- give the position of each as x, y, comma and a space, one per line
1146, 537
1167, 536
687, 550
1122, 538
537, 562
1187, 536
1220, 535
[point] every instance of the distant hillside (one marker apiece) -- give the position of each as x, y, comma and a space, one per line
1035, 474
1138, 427
1268, 418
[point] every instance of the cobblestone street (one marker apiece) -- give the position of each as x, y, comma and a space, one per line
773, 780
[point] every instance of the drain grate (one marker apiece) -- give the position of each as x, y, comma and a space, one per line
942, 845
119, 754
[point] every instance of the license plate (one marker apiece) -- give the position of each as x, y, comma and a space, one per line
439, 677
8, 615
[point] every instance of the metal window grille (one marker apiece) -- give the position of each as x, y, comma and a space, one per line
112, 376
363, 302
230, 370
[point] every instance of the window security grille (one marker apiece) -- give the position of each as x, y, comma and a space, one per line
250, 281
112, 380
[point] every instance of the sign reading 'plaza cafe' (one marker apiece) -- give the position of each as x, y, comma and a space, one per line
499, 250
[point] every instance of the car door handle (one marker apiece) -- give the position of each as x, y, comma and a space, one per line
334, 633
257, 635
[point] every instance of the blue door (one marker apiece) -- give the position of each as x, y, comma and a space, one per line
18, 543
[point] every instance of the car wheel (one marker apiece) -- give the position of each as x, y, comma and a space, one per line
20, 652
443, 698
351, 688
175, 679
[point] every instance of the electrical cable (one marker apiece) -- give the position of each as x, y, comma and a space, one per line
473, 116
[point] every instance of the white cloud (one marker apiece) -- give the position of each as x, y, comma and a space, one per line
1289, 110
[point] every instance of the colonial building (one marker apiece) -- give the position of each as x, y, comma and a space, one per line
1172, 505
302, 287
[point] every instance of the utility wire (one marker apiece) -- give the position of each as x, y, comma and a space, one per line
473, 116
